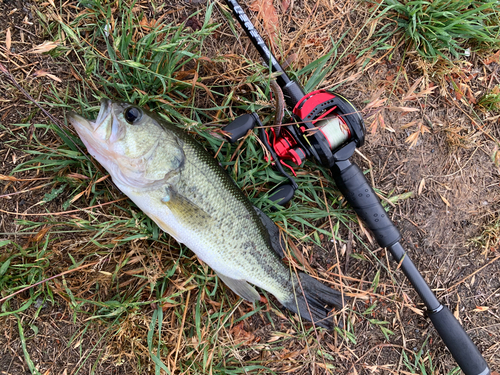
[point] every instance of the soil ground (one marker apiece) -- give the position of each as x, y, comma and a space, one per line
456, 197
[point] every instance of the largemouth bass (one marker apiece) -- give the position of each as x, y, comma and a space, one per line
180, 186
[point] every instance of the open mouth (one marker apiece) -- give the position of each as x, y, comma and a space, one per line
94, 133
104, 111
81, 122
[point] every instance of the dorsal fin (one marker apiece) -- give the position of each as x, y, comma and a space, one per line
275, 236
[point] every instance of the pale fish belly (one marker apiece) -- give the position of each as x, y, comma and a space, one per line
202, 245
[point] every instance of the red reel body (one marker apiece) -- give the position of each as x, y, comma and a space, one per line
325, 121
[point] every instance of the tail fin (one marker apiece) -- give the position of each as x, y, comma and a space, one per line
314, 297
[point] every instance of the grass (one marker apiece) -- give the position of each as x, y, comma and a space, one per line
489, 239
491, 100
162, 311
446, 28
181, 317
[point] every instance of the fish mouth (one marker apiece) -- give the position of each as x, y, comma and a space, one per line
94, 138
80, 122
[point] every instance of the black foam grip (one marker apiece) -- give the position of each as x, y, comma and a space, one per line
459, 343
354, 186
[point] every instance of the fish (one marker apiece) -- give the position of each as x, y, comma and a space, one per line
184, 190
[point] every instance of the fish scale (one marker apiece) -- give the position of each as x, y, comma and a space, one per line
240, 237
181, 187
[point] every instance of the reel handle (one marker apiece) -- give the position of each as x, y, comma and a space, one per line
355, 188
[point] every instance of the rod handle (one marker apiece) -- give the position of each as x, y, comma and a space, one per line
353, 185
462, 348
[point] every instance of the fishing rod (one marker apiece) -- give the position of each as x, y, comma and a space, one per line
328, 128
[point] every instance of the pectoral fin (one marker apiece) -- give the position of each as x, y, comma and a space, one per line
241, 288
185, 211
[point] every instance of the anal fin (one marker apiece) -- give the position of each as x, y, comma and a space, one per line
241, 288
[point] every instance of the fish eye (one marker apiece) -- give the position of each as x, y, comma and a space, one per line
132, 115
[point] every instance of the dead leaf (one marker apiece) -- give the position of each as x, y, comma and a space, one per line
381, 120
412, 139
285, 4
194, 24
8, 178
102, 179
79, 342
44, 47
41, 234
470, 95
412, 95
366, 233
493, 58
240, 335
374, 125
416, 310
445, 200
495, 156
410, 124
412, 90
290, 59
76, 197
481, 308
267, 13
421, 130
421, 186
184, 74
145, 23
403, 109
74, 74
274, 338
375, 103
77, 176
43, 73
456, 313
8, 40
301, 258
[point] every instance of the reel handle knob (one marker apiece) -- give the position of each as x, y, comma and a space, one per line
282, 194
239, 127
